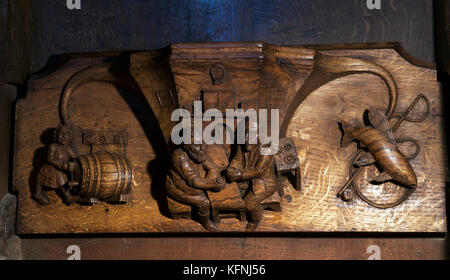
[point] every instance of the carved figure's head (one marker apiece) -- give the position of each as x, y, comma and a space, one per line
63, 134
196, 152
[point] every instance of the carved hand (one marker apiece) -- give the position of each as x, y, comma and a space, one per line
65, 166
251, 173
220, 184
71, 166
234, 174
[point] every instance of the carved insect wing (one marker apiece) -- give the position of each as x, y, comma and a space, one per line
375, 117
379, 121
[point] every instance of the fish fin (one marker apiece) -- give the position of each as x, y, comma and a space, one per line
379, 121
366, 159
382, 178
347, 136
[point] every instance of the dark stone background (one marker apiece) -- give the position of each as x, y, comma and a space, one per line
148, 24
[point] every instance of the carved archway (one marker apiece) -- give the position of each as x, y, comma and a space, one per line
328, 68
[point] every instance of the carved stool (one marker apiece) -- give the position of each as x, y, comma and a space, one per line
179, 210
227, 203
286, 160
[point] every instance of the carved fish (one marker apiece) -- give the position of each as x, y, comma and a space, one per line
383, 150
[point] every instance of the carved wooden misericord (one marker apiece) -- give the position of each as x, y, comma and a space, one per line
93, 148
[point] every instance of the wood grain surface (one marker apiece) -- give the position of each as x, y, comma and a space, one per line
145, 25
237, 248
314, 129
323, 162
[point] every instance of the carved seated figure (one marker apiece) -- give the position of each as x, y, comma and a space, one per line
187, 183
53, 173
250, 166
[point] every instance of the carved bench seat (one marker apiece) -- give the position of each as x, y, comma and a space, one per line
179, 210
227, 203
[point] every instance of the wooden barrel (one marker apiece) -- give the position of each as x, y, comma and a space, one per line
104, 176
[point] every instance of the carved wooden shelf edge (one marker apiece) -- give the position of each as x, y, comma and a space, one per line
115, 111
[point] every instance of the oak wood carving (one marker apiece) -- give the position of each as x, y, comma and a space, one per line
119, 111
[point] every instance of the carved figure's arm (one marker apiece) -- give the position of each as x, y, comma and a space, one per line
72, 153
192, 178
213, 170
264, 162
52, 158
234, 170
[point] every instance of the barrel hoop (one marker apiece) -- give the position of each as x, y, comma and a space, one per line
92, 176
120, 167
125, 187
116, 164
85, 173
130, 175
97, 176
